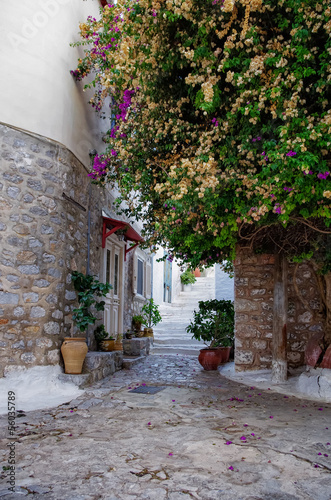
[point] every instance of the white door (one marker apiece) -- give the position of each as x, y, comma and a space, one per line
113, 274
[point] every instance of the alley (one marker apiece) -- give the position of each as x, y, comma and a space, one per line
201, 437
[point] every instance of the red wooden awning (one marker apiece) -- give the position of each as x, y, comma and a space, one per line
110, 226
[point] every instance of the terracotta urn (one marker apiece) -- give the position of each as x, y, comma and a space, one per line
210, 359
74, 350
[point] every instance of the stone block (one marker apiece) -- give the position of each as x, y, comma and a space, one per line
29, 269
9, 298
244, 357
37, 312
244, 305
306, 317
259, 344
52, 328
44, 342
80, 380
247, 331
41, 283
70, 295
28, 357
257, 292
18, 311
31, 297
35, 185
136, 347
53, 357
27, 257
45, 229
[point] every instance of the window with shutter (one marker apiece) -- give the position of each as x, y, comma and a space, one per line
140, 277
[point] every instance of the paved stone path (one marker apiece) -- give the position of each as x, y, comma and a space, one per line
202, 437
170, 336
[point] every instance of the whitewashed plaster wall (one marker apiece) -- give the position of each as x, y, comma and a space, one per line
224, 285
158, 270
37, 92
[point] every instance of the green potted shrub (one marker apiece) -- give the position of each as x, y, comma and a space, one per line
89, 289
214, 324
151, 317
103, 338
187, 279
137, 321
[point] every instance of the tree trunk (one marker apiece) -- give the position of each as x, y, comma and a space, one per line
279, 334
327, 335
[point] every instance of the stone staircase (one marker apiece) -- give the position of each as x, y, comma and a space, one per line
170, 336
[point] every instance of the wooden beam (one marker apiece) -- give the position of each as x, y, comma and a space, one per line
279, 334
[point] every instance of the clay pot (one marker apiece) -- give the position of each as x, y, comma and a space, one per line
74, 350
326, 363
148, 332
107, 345
210, 359
313, 350
197, 272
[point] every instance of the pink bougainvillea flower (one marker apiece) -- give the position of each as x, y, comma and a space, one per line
271, 416
243, 438
149, 423
326, 455
170, 454
252, 434
231, 468
173, 400
319, 453
228, 442
320, 409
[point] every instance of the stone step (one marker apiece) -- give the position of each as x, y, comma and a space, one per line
181, 350
176, 341
130, 361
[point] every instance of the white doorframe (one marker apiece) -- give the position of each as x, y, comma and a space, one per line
113, 272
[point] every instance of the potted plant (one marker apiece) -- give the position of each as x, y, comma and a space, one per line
89, 289
105, 341
137, 321
187, 279
214, 324
151, 317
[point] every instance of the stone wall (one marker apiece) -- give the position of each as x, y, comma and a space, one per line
254, 282
43, 236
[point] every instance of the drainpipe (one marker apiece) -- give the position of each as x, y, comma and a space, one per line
92, 153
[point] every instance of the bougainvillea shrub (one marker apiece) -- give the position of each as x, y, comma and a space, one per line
220, 119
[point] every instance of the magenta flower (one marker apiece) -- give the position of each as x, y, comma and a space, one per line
323, 176
228, 442
243, 438
291, 153
170, 454
231, 468
271, 416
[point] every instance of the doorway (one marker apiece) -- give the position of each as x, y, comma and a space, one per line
113, 266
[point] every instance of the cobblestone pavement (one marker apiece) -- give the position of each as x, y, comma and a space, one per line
201, 437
